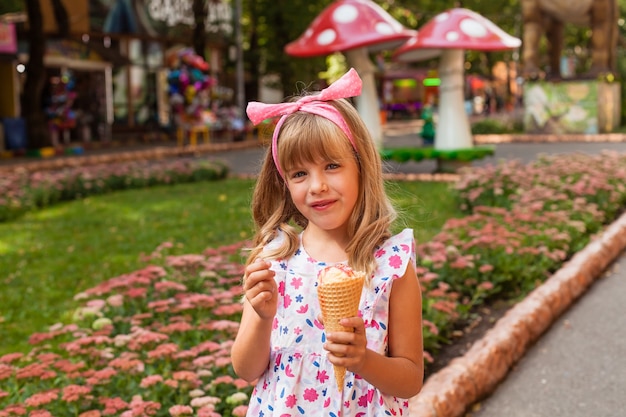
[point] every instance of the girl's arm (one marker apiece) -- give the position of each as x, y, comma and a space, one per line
250, 353
401, 373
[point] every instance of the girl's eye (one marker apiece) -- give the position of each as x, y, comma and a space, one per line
332, 165
298, 174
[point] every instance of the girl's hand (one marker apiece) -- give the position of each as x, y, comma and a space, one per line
260, 289
345, 348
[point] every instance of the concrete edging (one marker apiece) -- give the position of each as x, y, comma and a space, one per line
475, 375
113, 155
548, 138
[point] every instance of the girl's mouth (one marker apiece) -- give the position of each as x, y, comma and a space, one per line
321, 205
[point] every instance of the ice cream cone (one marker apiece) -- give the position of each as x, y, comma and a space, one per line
339, 292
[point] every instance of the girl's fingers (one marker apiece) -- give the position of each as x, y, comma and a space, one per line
263, 287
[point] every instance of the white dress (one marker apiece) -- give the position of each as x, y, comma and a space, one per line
300, 380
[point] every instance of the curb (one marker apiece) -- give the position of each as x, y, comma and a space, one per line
155, 153
548, 138
475, 375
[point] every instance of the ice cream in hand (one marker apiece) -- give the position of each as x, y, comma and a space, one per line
339, 292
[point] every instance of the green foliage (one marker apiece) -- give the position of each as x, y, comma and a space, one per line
11, 6
419, 154
489, 126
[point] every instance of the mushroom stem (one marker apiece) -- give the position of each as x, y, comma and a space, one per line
367, 103
453, 128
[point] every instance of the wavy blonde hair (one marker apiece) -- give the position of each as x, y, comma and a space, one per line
306, 137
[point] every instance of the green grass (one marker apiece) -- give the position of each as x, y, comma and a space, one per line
48, 256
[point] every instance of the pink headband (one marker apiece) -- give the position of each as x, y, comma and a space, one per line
349, 85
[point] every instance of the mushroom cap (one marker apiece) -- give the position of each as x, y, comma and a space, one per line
348, 24
457, 28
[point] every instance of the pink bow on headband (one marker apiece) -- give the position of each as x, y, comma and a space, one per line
349, 85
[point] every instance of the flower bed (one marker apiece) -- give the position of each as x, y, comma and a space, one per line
157, 341
24, 191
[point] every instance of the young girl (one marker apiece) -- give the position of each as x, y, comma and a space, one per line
320, 200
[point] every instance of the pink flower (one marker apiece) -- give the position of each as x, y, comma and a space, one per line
11, 357
90, 413
150, 381
112, 405
187, 376
180, 410
6, 371
208, 412
310, 394
485, 285
116, 300
322, 376
240, 411
73, 393
395, 261
296, 282
42, 398
240, 383
290, 401
431, 326
287, 300
40, 413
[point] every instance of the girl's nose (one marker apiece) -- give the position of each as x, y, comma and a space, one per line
318, 184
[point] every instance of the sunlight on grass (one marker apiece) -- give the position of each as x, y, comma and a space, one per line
48, 256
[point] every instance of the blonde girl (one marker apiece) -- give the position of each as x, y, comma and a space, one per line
320, 200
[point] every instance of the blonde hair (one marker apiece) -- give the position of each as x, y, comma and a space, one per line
306, 137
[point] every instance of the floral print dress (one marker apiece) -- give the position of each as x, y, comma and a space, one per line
300, 379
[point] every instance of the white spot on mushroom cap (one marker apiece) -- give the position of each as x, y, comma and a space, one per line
511, 41
452, 36
442, 16
472, 28
326, 37
384, 28
345, 13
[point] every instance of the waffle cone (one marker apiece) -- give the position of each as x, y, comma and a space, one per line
338, 300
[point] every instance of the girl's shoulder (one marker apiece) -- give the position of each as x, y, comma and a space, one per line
277, 240
395, 254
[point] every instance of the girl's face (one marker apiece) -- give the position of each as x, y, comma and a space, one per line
325, 191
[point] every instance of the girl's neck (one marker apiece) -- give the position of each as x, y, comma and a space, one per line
325, 246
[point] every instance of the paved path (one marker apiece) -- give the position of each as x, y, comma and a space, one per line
247, 161
577, 368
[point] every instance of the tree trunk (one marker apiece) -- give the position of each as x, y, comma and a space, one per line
253, 54
32, 110
200, 9
61, 17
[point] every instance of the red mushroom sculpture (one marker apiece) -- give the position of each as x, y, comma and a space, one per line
356, 28
447, 35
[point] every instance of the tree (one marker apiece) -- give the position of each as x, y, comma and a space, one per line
199, 8
32, 108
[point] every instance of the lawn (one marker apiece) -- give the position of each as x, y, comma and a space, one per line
48, 256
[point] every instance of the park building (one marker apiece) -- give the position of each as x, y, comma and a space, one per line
110, 76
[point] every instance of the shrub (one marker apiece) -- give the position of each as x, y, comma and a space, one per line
489, 127
23, 191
